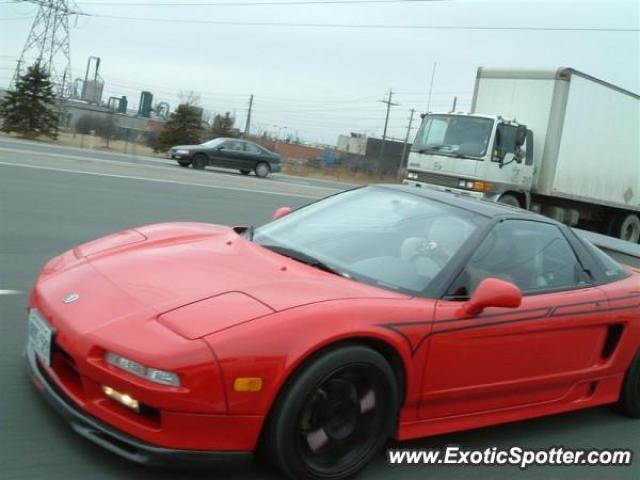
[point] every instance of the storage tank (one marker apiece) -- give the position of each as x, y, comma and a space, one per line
144, 106
122, 105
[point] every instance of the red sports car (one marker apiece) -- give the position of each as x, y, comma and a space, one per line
380, 312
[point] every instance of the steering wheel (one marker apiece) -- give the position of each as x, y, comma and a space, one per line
414, 248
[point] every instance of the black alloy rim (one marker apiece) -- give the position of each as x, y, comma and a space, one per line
343, 418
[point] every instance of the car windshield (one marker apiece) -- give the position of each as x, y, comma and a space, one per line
376, 235
454, 135
213, 143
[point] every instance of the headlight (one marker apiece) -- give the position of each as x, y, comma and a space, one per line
182, 152
412, 176
152, 374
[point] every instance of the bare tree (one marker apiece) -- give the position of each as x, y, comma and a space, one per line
189, 97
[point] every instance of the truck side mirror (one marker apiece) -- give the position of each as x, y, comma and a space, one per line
521, 135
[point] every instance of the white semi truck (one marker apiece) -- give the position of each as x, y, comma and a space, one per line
559, 142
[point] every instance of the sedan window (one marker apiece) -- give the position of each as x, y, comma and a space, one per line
251, 148
234, 146
533, 255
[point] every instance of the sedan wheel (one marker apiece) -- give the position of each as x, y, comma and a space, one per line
335, 416
262, 170
199, 162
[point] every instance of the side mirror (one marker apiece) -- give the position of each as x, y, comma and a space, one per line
492, 292
521, 135
281, 212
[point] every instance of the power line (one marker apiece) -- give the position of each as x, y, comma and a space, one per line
252, 3
364, 26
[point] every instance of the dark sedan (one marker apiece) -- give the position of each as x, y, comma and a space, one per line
233, 153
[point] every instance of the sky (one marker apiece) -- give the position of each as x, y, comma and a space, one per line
319, 82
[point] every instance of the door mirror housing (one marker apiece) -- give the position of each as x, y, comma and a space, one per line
281, 212
492, 292
521, 135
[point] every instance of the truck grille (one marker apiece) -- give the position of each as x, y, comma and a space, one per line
437, 179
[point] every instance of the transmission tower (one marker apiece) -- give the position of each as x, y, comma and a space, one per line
48, 43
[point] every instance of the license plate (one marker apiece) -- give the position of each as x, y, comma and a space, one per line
40, 334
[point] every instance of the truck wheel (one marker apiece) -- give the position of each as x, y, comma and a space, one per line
334, 416
626, 226
510, 199
199, 162
262, 170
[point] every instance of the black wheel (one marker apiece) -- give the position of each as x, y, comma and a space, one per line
629, 402
184, 163
626, 226
245, 172
510, 199
262, 169
334, 415
199, 162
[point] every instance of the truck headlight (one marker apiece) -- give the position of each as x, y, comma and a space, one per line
152, 374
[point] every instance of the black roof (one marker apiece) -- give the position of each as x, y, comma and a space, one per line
482, 207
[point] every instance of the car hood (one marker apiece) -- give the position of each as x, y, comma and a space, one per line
202, 268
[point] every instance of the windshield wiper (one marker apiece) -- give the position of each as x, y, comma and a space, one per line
433, 148
303, 258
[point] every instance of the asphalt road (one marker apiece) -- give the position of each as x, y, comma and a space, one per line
49, 203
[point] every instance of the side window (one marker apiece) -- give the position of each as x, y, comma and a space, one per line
234, 146
533, 255
251, 148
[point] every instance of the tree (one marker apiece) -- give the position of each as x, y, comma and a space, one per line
106, 128
30, 109
87, 123
222, 126
182, 128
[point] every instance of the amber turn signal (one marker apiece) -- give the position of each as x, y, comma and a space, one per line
247, 384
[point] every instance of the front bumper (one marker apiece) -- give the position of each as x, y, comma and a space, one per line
442, 188
276, 167
118, 442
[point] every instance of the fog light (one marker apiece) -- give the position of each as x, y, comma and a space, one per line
122, 398
247, 384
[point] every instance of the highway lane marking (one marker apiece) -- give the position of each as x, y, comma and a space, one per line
165, 166
158, 180
10, 292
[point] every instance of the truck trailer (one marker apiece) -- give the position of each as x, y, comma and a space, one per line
558, 142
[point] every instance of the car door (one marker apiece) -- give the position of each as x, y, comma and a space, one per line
542, 351
230, 154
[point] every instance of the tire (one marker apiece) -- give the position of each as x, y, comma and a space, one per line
510, 199
184, 163
319, 428
199, 162
629, 403
626, 226
245, 172
262, 170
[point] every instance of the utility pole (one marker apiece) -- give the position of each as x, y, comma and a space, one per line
433, 74
48, 42
247, 126
406, 142
386, 120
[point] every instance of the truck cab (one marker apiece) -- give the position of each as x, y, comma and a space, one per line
484, 156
